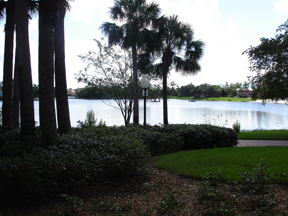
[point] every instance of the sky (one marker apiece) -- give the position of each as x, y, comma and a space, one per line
227, 27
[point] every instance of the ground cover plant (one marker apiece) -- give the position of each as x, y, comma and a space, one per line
264, 135
231, 162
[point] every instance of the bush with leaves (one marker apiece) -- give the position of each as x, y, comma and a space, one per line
236, 127
156, 140
84, 156
202, 136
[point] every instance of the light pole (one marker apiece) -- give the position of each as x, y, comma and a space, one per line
144, 83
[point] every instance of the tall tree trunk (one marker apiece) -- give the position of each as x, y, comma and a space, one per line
63, 115
46, 73
165, 105
24, 68
135, 87
8, 65
16, 96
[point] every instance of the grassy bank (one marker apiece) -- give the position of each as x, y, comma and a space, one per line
230, 161
214, 99
264, 135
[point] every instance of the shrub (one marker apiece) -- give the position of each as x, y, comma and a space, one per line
203, 136
82, 157
173, 138
90, 121
236, 127
158, 141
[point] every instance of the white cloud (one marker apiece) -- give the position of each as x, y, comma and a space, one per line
281, 6
85, 10
222, 60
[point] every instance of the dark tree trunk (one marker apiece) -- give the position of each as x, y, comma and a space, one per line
24, 68
135, 87
165, 105
8, 65
46, 72
63, 115
16, 97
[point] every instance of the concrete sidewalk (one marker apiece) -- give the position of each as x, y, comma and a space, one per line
245, 143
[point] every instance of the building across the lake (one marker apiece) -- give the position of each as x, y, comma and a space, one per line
241, 92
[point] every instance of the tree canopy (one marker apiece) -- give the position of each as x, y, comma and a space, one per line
269, 60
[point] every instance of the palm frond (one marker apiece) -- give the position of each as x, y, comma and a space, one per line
67, 5
186, 66
114, 32
3, 5
33, 8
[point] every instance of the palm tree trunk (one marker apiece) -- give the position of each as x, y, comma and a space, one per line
63, 115
165, 104
16, 97
135, 87
8, 65
24, 68
46, 73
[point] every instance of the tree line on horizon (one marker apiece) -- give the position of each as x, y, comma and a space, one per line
155, 91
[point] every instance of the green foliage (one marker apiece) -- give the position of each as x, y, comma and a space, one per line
186, 91
90, 118
90, 121
255, 178
173, 138
236, 127
171, 204
84, 156
269, 61
264, 135
213, 91
195, 164
211, 193
203, 136
157, 140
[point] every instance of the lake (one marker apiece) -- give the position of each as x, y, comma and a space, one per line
251, 115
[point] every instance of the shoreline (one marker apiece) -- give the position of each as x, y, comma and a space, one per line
272, 101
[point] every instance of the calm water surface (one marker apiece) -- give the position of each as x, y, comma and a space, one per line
251, 115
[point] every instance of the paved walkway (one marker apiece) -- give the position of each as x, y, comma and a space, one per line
243, 143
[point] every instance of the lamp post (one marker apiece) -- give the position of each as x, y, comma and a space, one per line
144, 83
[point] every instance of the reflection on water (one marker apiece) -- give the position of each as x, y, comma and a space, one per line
250, 115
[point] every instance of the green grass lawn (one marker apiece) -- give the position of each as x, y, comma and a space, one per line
230, 161
215, 99
264, 135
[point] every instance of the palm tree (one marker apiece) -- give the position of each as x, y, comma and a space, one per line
63, 115
137, 16
178, 49
24, 67
8, 61
16, 105
32, 8
47, 18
